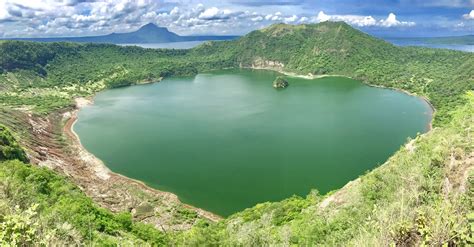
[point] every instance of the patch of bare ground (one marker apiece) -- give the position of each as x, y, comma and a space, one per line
50, 142
457, 172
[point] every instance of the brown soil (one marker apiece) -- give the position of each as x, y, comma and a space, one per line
50, 142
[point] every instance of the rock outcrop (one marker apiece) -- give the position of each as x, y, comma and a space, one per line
279, 82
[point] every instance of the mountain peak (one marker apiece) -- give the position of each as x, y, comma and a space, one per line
152, 27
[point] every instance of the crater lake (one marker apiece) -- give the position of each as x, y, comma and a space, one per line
227, 140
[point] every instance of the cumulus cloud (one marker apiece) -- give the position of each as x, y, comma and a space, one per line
290, 19
357, 20
28, 18
303, 19
277, 16
4, 15
469, 16
215, 13
364, 21
257, 18
73, 17
392, 21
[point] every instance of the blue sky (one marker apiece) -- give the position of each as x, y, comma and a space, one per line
51, 18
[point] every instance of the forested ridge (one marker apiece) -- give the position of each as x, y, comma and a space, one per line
326, 48
422, 195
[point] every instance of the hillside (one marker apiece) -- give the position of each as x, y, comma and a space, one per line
326, 48
423, 194
149, 33
336, 48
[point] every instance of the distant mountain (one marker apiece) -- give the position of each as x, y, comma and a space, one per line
149, 33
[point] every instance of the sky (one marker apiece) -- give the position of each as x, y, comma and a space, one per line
386, 18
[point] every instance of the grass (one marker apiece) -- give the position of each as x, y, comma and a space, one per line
38, 206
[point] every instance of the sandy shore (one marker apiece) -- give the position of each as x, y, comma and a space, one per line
309, 76
104, 173
101, 170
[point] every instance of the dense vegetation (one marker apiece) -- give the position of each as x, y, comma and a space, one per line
9, 147
45, 76
38, 206
336, 48
423, 195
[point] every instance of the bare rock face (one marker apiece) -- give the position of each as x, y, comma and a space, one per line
260, 63
279, 82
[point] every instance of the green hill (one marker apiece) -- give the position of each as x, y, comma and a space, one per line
337, 48
422, 195
326, 48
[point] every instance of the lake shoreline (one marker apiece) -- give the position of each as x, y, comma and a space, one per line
313, 77
424, 98
105, 173
69, 130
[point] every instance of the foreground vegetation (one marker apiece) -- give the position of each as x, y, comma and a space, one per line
422, 195
38, 206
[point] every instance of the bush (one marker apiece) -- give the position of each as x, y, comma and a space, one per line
9, 147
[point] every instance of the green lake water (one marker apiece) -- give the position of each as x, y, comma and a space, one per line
227, 140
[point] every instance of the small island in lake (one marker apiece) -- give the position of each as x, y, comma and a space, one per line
279, 82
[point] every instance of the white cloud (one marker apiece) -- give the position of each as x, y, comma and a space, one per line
257, 18
364, 21
356, 20
290, 19
323, 17
277, 16
303, 19
469, 16
174, 11
3, 11
214, 13
209, 13
36, 18
392, 21
22, 18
